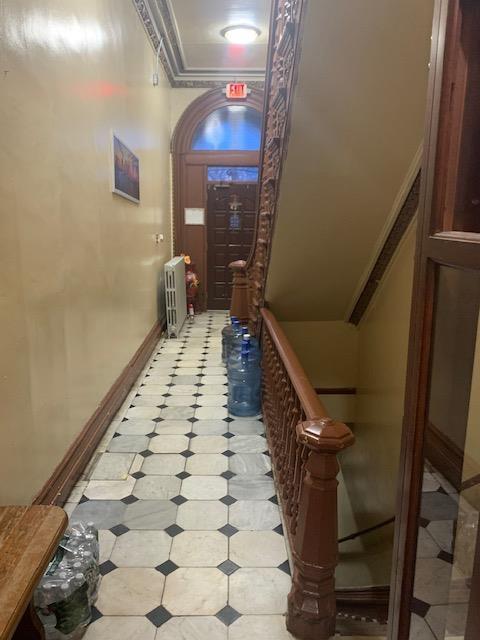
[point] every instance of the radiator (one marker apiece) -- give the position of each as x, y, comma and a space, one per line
175, 295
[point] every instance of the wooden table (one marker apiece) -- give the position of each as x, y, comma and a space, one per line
28, 539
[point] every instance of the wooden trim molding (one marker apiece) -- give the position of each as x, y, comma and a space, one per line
336, 391
366, 603
444, 455
158, 23
398, 230
57, 488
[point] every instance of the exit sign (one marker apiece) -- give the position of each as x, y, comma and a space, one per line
236, 90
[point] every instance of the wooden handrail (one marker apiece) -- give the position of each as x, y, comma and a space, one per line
304, 443
311, 403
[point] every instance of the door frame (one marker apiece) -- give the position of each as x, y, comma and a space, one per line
434, 247
189, 175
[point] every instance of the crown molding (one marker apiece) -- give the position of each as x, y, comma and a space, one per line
158, 23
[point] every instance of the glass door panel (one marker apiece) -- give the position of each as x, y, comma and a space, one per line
450, 500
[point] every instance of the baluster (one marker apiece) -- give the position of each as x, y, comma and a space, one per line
311, 601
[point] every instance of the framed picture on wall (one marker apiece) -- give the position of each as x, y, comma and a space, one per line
126, 171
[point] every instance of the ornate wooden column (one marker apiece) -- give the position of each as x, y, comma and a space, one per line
311, 602
239, 303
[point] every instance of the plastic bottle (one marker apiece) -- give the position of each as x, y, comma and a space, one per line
236, 345
227, 333
244, 383
72, 607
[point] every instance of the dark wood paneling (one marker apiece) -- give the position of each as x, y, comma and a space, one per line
57, 488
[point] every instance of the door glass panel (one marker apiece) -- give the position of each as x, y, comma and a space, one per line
232, 174
460, 205
444, 597
230, 128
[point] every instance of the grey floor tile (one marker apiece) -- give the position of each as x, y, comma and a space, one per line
150, 514
103, 513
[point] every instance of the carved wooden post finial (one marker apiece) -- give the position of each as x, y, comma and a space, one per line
311, 602
239, 303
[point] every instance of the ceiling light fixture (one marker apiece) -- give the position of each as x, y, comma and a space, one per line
240, 34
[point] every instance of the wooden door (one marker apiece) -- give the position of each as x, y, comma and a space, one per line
435, 584
231, 211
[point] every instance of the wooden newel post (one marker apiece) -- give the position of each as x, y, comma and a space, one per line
239, 303
311, 602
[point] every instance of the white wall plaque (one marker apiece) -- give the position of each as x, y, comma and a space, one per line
194, 216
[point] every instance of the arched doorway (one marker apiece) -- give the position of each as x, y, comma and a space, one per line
215, 148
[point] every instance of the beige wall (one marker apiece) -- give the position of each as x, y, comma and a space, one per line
180, 100
81, 281
370, 467
357, 125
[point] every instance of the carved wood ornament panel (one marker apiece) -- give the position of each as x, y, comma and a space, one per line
281, 75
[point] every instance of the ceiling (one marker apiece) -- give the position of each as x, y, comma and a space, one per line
193, 52
356, 129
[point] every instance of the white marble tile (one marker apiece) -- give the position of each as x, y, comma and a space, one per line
187, 371
185, 380
109, 489
214, 380
143, 413
246, 427
173, 427
259, 591
203, 515
211, 413
121, 628
199, 549
169, 444
442, 532
204, 488
177, 413
180, 401
261, 627
157, 379
207, 464
189, 364
257, 549
151, 389
136, 427
106, 542
210, 427
419, 629
212, 401
254, 515
157, 488
426, 545
130, 592
251, 488
150, 514
163, 464
432, 580
213, 389
209, 444
248, 444
193, 591
214, 371
249, 464
141, 549
128, 444
113, 466
183, 389
193, 628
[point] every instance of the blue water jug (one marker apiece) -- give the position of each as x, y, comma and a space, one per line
244, 383
227, 333
236, 345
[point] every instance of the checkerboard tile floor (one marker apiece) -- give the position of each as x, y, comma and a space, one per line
441, 592
182, 493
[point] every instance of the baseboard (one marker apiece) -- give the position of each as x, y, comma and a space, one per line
367, 603
57, 488
444, 455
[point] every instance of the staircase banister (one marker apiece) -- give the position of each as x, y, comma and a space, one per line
311, 403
